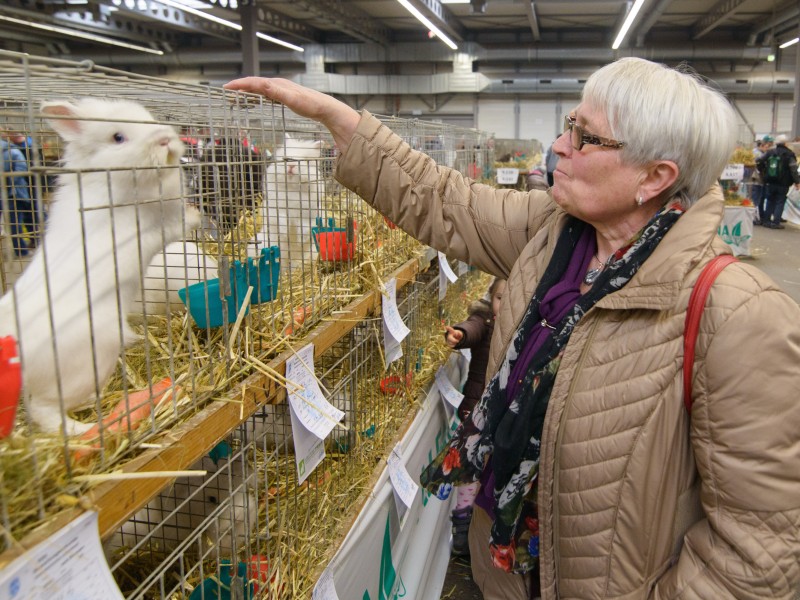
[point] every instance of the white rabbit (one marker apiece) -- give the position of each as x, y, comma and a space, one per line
294, 190
180, 265
272, 425
220, 510
119, 203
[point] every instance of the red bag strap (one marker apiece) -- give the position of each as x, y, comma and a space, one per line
697, 303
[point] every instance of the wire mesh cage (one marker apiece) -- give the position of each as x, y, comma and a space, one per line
249, 525
179, 240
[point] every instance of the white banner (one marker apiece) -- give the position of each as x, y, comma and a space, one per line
736, 229
379, 559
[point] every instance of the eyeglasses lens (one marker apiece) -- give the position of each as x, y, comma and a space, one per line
575, 133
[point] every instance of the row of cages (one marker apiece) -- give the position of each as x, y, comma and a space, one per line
161, 245
248, 525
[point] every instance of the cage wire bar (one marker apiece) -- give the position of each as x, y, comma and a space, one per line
261, 178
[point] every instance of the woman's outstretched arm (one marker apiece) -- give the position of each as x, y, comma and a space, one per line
336, 116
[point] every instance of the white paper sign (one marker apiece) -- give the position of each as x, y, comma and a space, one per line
309, 403
392, 349
733, 172
313, 417
401, 481
309, 450
69, 565
391, 315
325, 590
507, 176
444, 266
447, 390
463, 268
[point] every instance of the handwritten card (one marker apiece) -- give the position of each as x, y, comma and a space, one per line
391, 314
325, 590
69, 565
392, 349
401, 481
445, 267
447, 389
313, 417
306, 398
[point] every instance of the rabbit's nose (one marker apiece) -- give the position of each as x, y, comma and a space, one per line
165, 141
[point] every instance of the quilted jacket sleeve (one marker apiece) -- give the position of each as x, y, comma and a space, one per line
473, 222
746, 439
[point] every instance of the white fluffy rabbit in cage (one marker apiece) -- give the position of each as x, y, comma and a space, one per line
294, 188
272, 425
180, 265
118, 203
185, 510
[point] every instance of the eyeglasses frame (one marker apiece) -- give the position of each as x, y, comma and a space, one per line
587, 138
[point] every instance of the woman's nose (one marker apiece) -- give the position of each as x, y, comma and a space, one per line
563, 144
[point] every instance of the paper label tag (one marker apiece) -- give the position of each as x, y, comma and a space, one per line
325, 589
507, 176
446, 268
401, 481
447, 389
68, 565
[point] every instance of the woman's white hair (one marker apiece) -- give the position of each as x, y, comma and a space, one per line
666, 114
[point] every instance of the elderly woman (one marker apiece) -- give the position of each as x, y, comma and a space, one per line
593, 472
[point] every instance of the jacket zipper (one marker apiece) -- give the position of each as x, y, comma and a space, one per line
556, 451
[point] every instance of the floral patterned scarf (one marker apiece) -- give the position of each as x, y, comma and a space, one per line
506, 425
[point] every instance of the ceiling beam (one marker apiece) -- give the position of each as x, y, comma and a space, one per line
530, 11
348, 20
718, 14
783, 13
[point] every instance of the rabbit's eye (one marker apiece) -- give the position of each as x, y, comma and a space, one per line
119, 138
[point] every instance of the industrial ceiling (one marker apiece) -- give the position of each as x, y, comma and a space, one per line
501, 46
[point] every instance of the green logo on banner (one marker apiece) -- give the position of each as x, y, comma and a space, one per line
733, 236
388, 576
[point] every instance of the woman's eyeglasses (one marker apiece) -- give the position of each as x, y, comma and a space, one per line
580, 138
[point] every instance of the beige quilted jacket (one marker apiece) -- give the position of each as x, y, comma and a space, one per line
635, 500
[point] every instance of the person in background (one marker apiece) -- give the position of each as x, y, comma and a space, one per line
757, 182
591, 467
476, 334
778, 168
21, 218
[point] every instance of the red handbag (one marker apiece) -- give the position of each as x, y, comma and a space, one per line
697, 303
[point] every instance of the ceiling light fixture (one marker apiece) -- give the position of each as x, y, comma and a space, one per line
623, 31
81, 34
269, 38
226, 23
425, 21
789, 43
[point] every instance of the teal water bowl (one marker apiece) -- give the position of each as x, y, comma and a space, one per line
263, 275
208, 307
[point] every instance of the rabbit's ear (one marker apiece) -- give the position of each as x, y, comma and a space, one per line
63, 118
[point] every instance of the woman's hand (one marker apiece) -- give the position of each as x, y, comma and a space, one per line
452, 336
340, 119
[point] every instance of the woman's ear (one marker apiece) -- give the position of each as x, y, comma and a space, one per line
658, 177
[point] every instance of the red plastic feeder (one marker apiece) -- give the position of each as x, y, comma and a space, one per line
392, 384
334, 247
10, 384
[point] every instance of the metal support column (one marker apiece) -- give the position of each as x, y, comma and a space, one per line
249, 16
